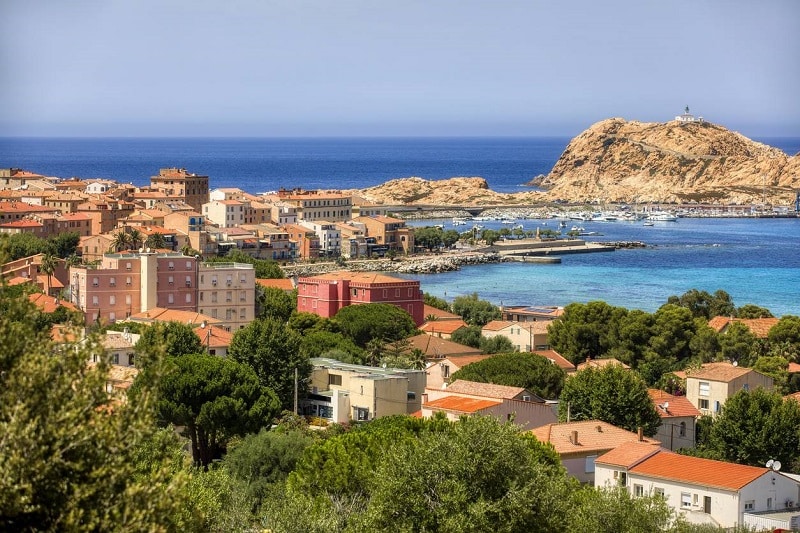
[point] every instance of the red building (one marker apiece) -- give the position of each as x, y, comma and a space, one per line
325, 294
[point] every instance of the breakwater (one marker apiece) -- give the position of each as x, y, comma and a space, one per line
427, 264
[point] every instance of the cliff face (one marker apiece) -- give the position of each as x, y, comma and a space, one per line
453, 191
615, 160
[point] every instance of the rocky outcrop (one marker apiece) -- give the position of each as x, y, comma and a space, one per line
418, 265
453, 191
617, 160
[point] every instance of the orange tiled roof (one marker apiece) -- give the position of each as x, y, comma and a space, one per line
489, 390
161, 314
793, 396
793, 368
497, 325
357, 277
628, 454
283, 284
49, 304
442, 326
218, 338
758, 326
557, 358
725, 372
593, 436
676, 405
436, 348
698, 471
463, 360
429, 310
461, 404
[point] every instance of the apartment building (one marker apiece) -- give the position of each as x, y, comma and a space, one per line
226, 291
178, 183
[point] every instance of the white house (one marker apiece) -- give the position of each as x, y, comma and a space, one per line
704, 491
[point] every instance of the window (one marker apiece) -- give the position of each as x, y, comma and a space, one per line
131, 356
112, 281
127, 266
116, 358
769, 503
397, 293
188, 281
334, 379
682, 431
588, 467
638, 490
746, 386
704, 405
228, 296
313, 304
243, 296
188, 265
128, 299
445, 370
95, 282
362, 414
355, 292
188, 297
749, 505
686, 500
112, 316
659, 491
112, 300
95, 300
411, 395
705, 388
171, 298
385, 293
171, 265
716, 406
128, 281
213, 297
410, 292
170, 280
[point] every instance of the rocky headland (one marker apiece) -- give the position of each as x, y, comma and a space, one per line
628, 161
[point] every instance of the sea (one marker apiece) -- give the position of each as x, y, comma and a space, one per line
755, 260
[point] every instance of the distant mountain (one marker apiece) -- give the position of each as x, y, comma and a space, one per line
618, 160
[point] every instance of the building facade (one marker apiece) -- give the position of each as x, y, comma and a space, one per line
226, 291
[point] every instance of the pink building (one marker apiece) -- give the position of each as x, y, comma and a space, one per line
325, 294
128, 283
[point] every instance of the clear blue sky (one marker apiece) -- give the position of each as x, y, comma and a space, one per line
405, 67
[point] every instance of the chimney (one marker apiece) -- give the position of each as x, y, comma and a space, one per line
640, 433
573, 437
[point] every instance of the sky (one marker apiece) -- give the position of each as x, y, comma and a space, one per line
393, 68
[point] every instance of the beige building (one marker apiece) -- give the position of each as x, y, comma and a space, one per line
525, 336
342, 392
177, 183
678, 427
226, 291
316, 205
228, 213
709, 387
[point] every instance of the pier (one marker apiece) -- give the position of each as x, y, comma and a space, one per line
522, 249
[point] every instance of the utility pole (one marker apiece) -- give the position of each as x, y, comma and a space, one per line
295, 390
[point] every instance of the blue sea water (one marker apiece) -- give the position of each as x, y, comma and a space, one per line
755, 260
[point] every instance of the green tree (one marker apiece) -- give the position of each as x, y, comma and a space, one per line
490, 236
787, 330
450, 237
429, 237
169, 338
323, 343
755, 426
155, 241
67, 448
63, 245
481, 475
272, 350
468, 336
262, 459
215, 399
275, 303
616, 511
586, 330
48, 266
673, 329
612, 394
775, 367
705, 305
739, 344
474, 311
365, 322
753, 311
496, 344
22, 245
533, 372
122, 241
136, 238
435, 301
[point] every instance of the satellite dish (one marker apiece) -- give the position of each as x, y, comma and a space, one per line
776, 465
141, 250
666, 405
736, 363
770, 463
148, 250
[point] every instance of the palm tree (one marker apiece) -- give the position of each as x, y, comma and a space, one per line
48, 266
155, 241
136, 238
122, 241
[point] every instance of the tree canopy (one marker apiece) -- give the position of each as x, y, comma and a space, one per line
272, 350
168, 338
704, 305
365, 322
612, 394
474, 311
533, 372
272, 302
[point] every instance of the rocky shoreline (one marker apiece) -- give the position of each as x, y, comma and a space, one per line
428, 264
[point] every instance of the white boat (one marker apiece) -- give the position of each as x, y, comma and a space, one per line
459, 222
648, 224
662, 217
577, 228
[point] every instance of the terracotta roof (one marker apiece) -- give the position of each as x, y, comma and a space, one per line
488, 390
793, 368
758, 326
532, 327
285, 284
497, 325
628, 454
675, 405
793, 396
725, 372
594, 436
600, 363
435, 347
218, 338
442, 326
429, 310
115, 340
557, 358
461, 361
49, 304
160, 314
461, 404
698, 471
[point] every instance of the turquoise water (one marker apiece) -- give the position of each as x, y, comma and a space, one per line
754, 260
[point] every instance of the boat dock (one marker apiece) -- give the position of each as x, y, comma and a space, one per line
528, 249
